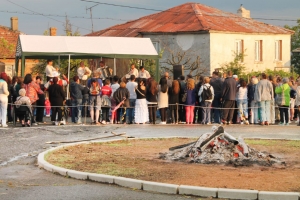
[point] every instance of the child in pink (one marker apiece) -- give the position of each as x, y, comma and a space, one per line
47, 107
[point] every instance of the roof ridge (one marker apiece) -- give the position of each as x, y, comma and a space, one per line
199, 15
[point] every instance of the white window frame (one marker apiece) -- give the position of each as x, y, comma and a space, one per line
258, 50
239, 46
278, 50
156, 46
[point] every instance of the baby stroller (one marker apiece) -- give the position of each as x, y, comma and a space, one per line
23, 112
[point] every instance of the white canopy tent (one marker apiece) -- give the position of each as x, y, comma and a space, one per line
82, 47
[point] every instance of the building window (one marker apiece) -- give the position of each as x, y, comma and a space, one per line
278, 50
258, 50
239, 46
156, 46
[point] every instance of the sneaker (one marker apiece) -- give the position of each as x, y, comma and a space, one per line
35, 124
208, 123
287, 124
4, 126
246, 122
103, 122
281, 124
223, 121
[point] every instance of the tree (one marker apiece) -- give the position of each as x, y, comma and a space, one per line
236, 66
295, 43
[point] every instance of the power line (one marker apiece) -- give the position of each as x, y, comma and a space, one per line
76, 17
44, 15
150, 9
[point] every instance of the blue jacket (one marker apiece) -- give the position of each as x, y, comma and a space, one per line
191, 97
76, 90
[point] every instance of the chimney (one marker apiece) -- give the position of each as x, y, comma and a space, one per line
14, 23
53, 31
243, 12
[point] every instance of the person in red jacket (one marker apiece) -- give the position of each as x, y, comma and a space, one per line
106, 103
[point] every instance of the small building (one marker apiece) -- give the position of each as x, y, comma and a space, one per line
204, 38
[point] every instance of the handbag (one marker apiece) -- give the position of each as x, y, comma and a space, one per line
184, 96
279, 99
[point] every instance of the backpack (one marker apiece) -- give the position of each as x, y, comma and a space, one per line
206, 94
293, 94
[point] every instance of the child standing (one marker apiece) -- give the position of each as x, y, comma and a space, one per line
47, 107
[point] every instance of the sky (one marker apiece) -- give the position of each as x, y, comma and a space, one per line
32, 19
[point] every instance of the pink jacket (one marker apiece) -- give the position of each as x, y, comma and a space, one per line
32, 91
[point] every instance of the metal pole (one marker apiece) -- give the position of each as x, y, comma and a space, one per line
68, 76
115, 67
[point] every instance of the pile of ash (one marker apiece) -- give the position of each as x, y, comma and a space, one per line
219, 147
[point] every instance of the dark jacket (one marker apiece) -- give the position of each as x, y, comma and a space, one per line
182, 89
173, 98
151, 97
216, 83
76, 90
119, 95
56, 95
251, 92
191, 97
229, 89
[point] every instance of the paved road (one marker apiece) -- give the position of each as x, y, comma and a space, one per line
20, 178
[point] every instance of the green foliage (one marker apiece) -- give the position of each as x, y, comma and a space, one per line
295, 43
6, 48
236, 66
281, 73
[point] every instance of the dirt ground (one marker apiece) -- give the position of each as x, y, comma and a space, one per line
139, 159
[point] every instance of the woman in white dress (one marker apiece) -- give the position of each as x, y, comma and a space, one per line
141, 107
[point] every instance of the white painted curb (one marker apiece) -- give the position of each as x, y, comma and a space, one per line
162, 187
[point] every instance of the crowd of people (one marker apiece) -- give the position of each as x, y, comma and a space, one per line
138, 98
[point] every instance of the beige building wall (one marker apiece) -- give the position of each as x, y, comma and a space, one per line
223, 45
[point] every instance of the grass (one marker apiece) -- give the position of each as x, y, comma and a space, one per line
287, 143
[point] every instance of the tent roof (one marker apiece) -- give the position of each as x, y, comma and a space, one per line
36, 46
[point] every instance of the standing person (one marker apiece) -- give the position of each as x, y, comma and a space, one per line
47, 106
151, 96
162, 100
264, 94
141, 114
284, 90
105, 71
115, 84
3, 99
131, 86
106, 102
242, 102
169, 81
198, 111
22, 100
216, 82
272, 105
174, 93
181, 106
228, 98
57, 98
206, 96
190, 100
95, 101
32, 91
144, 73
297, 100
293, 97
96, 76
9, 107
121, 94
83, 73
133, 71
252, 101
76, 100
50, 69
40, 103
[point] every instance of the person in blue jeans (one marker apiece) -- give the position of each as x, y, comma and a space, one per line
242, 102
76, 100
131, 86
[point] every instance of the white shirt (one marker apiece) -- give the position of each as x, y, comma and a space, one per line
134, 72
242, 93
114, 87
144, 74
49, 70
81, 72
131, 85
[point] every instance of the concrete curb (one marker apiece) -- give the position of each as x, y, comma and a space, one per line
162, 187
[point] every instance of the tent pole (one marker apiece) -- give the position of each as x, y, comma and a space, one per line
23, 66
115, 67
68, 76
17, 66
59, 61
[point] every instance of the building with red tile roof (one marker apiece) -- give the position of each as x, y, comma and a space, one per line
212, 34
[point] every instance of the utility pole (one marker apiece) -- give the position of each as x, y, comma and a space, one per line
90, 8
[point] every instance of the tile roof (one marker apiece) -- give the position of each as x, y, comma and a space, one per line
12, 38
190, 17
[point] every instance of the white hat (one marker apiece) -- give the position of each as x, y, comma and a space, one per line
235, 76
